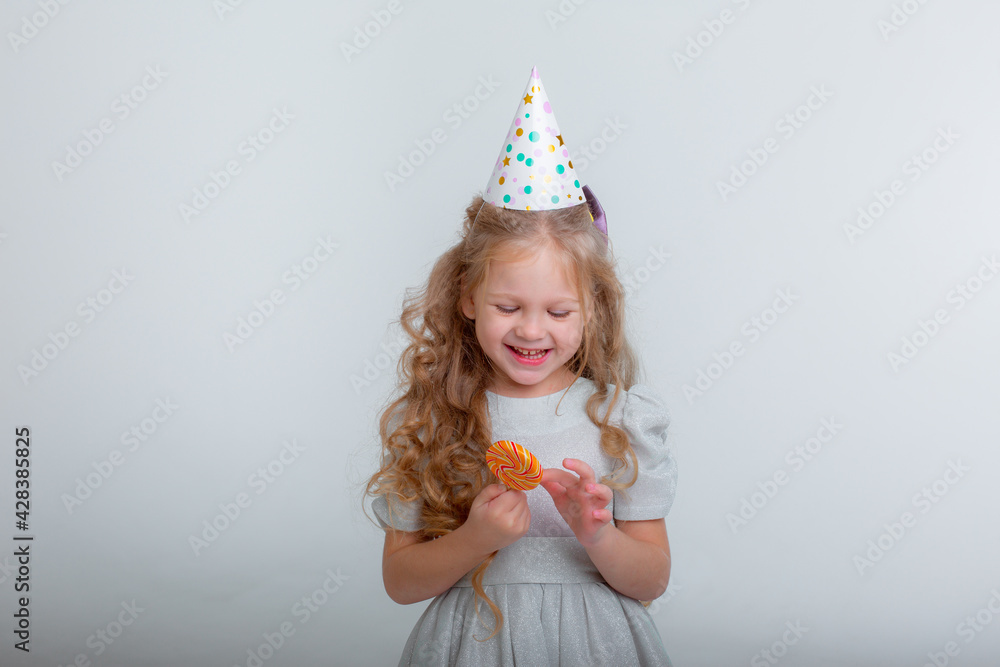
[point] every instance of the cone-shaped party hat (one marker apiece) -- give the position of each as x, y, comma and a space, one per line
534, 171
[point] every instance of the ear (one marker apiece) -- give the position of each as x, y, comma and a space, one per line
468, 307
466, 303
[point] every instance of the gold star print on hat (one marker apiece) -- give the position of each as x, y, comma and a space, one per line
534, 170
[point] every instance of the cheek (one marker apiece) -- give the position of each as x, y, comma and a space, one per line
573, 337
491, 330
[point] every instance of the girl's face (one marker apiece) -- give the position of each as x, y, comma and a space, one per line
529, 323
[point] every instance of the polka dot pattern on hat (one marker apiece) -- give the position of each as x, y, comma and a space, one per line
534, 171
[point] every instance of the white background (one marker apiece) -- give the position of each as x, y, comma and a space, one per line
300, 375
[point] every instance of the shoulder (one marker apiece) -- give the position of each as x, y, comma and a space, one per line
642, 413
641, 402
645, 401
645, 416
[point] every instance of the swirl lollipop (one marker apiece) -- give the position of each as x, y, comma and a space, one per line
514, 465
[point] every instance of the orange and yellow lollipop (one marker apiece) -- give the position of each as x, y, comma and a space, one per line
514, 465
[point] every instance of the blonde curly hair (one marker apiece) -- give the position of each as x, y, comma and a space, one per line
435, 433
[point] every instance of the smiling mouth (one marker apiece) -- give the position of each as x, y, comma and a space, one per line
529, 354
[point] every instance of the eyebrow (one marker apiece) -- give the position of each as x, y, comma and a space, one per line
507, 295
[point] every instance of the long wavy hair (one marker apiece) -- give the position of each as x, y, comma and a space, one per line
436, 431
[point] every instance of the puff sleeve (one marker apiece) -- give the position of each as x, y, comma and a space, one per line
390, 511
401, 516
645, 420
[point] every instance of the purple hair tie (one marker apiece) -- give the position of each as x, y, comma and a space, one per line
596, 210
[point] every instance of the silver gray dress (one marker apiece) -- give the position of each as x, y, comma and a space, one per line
557, 608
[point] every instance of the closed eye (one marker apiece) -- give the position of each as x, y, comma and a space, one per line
559, 315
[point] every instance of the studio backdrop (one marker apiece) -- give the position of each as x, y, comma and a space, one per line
211, 212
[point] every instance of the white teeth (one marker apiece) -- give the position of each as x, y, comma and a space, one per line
530, 354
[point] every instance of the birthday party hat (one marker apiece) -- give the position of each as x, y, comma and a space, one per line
534, 171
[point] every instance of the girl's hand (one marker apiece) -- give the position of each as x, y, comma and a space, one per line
580, 500
498, 517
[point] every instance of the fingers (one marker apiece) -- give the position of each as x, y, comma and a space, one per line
520, 514
510, 499
558, 476
585, 472
490, 492
556, 490
603, 515
586, 482
600, 491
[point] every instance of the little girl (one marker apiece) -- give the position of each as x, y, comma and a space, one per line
519, 334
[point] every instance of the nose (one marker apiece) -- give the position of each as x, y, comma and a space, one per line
529, 327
